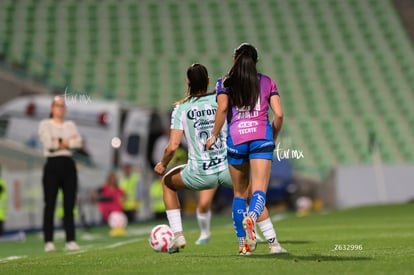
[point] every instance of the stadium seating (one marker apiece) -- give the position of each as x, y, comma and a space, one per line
343, 67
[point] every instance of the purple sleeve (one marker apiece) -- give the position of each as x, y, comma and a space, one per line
219, 87
273, 89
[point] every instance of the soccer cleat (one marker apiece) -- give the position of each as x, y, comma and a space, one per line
276, 248
49, 247
248, 226
177, 243
72, 246
203, 240
245, 250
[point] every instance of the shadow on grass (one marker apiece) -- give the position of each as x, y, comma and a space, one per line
312, 258
294, 242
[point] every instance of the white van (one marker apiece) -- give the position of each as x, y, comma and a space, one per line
113, 133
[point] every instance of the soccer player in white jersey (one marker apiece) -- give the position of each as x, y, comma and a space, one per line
193, 117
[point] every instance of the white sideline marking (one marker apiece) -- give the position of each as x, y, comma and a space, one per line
123, 243
91, 237
114, 245
11, 258
139, 231
73, 252
279, 217
142, 232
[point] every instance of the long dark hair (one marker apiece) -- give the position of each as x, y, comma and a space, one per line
241, 81
197, 76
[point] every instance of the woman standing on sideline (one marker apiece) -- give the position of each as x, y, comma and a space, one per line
59, 138
244, 97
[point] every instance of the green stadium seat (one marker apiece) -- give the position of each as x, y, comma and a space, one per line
344, 68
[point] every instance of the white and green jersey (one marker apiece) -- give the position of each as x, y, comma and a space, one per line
196, 118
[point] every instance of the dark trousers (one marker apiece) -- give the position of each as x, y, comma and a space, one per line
59, 172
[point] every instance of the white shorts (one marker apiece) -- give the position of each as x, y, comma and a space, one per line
203, 182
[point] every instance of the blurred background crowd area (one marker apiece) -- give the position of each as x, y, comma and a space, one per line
344, 68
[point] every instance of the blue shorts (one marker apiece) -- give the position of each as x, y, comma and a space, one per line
255, 149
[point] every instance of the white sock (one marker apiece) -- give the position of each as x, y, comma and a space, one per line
241, 241
204, 220
268, 230
174, 219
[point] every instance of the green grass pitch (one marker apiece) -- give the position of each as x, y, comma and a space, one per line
365, 240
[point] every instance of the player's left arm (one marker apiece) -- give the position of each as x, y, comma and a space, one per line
276, 107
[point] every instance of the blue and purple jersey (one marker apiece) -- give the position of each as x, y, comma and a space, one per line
245, 125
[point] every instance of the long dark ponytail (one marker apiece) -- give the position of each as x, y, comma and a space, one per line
197, 76
242, 81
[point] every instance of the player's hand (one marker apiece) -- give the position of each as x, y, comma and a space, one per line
160, 168
210, 142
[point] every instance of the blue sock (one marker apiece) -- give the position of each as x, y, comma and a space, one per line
257, 204
238, 214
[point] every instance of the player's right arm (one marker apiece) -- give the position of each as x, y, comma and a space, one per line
221, 113
169, 152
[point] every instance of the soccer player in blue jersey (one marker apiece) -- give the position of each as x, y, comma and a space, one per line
244, 97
